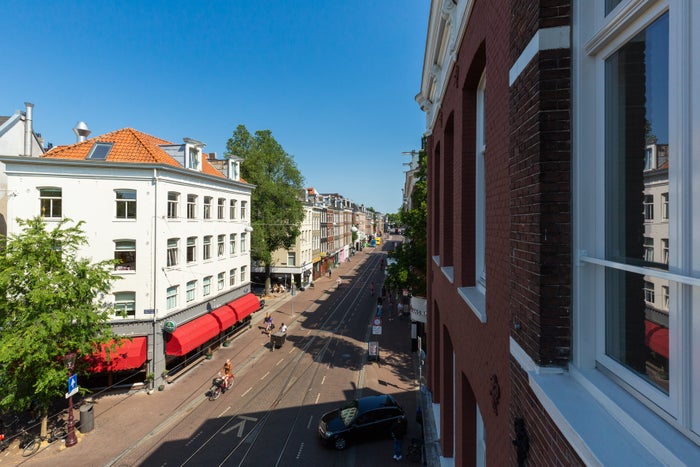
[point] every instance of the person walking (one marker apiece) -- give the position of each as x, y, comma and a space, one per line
398, 431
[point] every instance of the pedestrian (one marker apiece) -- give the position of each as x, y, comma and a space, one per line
398, 431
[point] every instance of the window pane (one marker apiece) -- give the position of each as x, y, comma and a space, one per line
637, 152
125, 254
636, 324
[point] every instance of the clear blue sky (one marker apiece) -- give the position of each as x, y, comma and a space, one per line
334, 80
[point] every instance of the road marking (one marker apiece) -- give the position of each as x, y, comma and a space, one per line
317, 398
247, 391
264, 376
225, 410
308, 425
240, 425
301, 448
308, 332
281, 360
292, 349
323, 380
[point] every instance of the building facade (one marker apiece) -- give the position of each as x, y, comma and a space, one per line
177, 227
560, 283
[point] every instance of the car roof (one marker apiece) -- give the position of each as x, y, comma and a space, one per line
374, 402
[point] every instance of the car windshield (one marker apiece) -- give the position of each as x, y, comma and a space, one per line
347, 413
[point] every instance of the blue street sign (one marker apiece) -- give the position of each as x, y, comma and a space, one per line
72, 385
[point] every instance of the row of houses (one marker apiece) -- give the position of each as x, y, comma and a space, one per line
562, 284
178, 220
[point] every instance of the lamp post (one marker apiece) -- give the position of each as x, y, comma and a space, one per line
71, 439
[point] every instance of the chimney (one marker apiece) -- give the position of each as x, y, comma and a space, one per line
81, 131
28, 129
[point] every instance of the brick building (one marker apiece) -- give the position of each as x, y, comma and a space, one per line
560, 282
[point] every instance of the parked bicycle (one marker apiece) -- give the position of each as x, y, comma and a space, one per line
29, 443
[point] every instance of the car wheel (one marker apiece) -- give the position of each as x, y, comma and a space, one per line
340, 443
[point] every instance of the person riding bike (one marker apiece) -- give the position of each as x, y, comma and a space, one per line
228, 375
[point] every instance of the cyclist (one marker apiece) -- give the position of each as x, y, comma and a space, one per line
228, 375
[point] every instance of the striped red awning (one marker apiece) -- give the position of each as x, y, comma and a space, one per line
191, 335
245, 305
129, 355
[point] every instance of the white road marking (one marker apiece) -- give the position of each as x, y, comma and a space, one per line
317, 398
323, 380
225, 410
308, 425
281, 360
265, 376
247, 391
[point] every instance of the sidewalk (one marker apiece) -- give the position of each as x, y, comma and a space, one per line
122, 420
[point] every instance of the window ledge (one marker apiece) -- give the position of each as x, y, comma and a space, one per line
604, 424
476, 301
125, 272
449, 273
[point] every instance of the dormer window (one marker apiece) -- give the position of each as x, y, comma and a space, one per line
193, 159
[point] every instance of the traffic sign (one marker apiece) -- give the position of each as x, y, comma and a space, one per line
72, 385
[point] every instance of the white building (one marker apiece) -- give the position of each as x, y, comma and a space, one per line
178, 226
17, 136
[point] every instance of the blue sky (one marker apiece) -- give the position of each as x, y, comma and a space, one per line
333, 80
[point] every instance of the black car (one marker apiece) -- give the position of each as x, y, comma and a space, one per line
367, 417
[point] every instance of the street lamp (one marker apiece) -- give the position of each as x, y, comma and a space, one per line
71, 439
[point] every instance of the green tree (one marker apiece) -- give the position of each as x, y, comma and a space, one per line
49, 306
276, 207
408, 270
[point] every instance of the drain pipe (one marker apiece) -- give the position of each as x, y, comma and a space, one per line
28, 129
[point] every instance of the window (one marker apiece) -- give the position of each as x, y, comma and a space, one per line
207, 207
649, 207
244, 274
232, 209
635, 145
480, 186
206, 286
664, 206
291, 258
221, 245
232, 244
173, 199
99, 151
191, 290
193, 159
220, 280
173, 253
207, 247
649, 249
50, 202
232, 277
125, 255
171, 297
244, 206
125, 304
243, 243
191, 206
126, 204
220, 208
191, 249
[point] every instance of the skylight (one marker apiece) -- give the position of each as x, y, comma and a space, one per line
99, 151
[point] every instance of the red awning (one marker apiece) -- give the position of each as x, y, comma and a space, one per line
129, 355
225, 316
245, 305
656, 337
191, 335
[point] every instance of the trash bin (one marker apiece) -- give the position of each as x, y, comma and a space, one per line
87, 418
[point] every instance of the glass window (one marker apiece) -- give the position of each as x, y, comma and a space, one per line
206, 286
191, 206
220, 280
126, 204
193, 159
232, 209
125, 304
221, 206
191, 290
232, 244
221, 245
649, 249
125, 255
173, 199
191, 249
649, 207
207, 207
173, 252
664, 206
232, 277
207, 247
243, 243
244, 207
291, 258
244, 274
50, 200
171, 297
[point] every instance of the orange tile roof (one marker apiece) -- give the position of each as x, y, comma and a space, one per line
129, 146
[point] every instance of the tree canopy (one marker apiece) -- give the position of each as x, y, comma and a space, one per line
276, 207
408, 270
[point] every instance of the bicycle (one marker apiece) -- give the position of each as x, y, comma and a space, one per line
58, 431
28, 443
218, 385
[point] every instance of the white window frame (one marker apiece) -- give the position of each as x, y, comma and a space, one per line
244, 274
51, 199
243, 243
221, 280
244, 210
191, 291
232, 244
128, 204
206, 247
173, 204
171, 297
599, 37
192, 206
221, 246
206, 286
124, 245
173, 252
221, 208
208, 206
125, 302
191, 249
232, 209
232, 277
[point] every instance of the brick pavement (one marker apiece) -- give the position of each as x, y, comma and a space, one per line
121, 420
